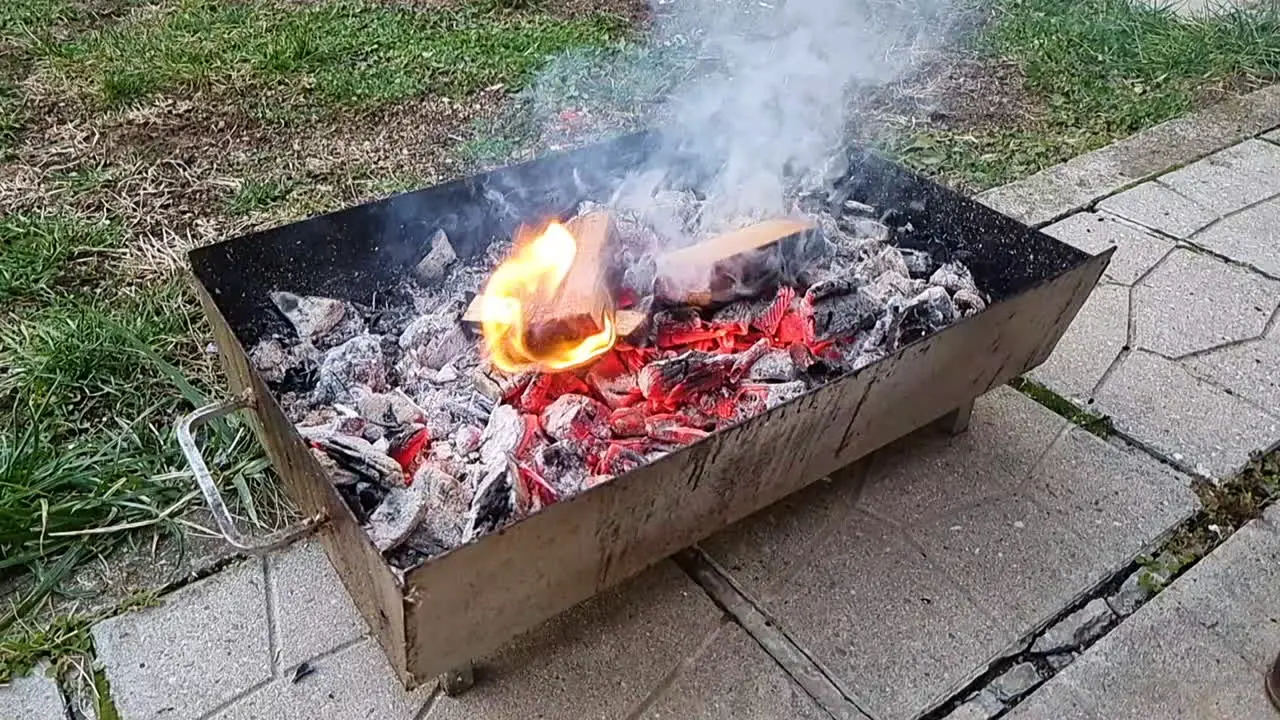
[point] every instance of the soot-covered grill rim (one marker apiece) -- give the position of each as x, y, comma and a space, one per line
354, 253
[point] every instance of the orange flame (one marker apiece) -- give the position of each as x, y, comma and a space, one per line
534, 275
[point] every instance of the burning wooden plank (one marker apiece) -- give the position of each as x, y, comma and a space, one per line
694, 275
577, 308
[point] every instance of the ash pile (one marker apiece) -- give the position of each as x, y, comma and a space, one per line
433, 446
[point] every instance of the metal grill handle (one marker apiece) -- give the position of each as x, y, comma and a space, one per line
208, 488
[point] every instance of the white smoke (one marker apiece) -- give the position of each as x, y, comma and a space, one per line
756, 92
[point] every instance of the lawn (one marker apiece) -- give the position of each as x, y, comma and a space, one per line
132, 130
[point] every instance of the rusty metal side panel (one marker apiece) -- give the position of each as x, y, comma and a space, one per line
373, 587
471, 601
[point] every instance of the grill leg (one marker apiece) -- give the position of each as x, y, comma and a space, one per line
957, 421
458, 680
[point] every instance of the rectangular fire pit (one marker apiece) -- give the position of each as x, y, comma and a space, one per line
467, 601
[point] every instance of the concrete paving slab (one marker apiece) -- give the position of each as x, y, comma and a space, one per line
1116, 498
907, 617
1273, 136
1230, 179
1058, 699
1063, 189
1089, 347
1234, 592
885, 619
312, 612
733, 679
1020, 562
1160, 208
206, 645
1160, 663
1251, 370
599, 660
1194, 302
764, 550
1008, 434
1137, 251
1251, 236
32, 697
1163, 406
354, 683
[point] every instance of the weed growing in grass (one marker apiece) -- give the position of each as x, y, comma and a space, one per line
37, 251
343, 53
257, 195
1103, 70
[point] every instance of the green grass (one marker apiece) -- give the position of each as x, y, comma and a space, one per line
1100, 70
36, 251
341, 54
12, 117
257, 195
90, 388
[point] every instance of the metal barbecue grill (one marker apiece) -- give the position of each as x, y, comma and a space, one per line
471, 600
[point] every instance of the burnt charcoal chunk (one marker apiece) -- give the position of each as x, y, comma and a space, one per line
838, 316
311, 317
494, 505
919, 263
954, 277
775, 366
431, 269
359, 456
357, 362
929, 312
828, 287
576, 418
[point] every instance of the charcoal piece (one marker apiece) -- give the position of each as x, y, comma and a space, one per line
467, 439
485, 385
311, 317
288, 368
617, 460
774, 366
919, 263
448, 503
399, 513
893, 286
359, 456
969, 302
861, 228
741, 313
838, 316
387, 409
362, 498
831, 286
576, 418
359, 361
493, 506
887, 260
612, 381
927, 313
431, 269
954, 277
776, 394
859, 208
425, 328
337, 474
563, 467
866, 358
502, 437
689, 373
